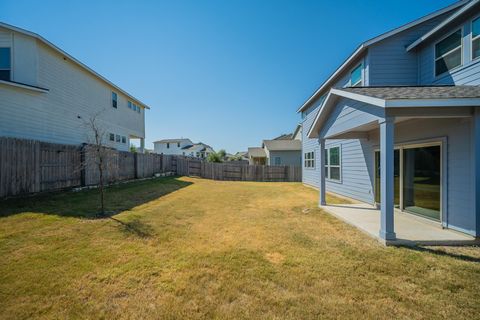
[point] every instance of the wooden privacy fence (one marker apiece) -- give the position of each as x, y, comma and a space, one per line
236, 172
28, 166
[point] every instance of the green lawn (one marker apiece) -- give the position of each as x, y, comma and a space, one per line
193, 248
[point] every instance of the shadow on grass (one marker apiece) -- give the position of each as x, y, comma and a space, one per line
85, 204
135, 227
443, 253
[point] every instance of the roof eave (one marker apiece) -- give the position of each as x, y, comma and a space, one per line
55, 48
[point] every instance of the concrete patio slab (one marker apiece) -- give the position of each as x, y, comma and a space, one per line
410, 230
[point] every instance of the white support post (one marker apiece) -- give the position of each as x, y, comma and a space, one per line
323, 199
142, 145
387, 231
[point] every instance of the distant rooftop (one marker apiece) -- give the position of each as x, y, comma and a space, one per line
283, 145
172, 140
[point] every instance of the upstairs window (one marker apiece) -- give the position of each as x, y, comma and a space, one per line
356, 77
178, 144
5, 64
332, 164
309, 158
114, 100
112, 137
448, 53
168, 145
476, 38
130, 106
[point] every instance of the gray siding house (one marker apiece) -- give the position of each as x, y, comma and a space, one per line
397, 125
48, 95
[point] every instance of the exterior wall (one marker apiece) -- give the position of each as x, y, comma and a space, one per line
388, 61
467, 74
74, 96
288, 158
357, 159
174, 149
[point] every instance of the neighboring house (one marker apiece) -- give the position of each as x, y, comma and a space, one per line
47, 95
398, 123
198, 150
285, 149
171, 146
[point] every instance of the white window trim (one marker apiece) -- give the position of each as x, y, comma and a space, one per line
447, 53
473, 38
11, 63
361, 76
339, 166
310, 160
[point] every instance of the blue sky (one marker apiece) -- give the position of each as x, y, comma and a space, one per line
227, 73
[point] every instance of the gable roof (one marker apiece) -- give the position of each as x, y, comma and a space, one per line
256, 152
172, 140
71, 58
399, 97
363, 46
474, 4
283, 145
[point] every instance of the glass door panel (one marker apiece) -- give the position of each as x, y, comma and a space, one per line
396, 175
421, 181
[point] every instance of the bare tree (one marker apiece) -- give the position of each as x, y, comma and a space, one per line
97, 154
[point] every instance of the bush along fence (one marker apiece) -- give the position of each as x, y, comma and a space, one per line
28, 166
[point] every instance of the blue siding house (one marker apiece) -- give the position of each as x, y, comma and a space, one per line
397, 125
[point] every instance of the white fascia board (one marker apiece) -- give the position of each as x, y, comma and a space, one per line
452, 102
381, 37
23, 86
60, 51
359, 97
444, 23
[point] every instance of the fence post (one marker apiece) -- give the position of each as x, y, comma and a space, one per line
83, 165
135, 165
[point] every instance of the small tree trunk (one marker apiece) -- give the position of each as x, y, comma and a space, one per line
102, 200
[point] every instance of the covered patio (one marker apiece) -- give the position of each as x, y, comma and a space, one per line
371, 115
409, 229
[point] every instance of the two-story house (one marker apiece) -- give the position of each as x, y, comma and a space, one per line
171, 146
48, 95
182, 147
397, 125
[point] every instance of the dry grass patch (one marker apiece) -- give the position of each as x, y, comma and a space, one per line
193, 248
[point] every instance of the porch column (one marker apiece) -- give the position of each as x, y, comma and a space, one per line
387, 127
142, 145
323, 199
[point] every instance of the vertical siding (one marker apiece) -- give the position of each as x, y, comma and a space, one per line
467, 74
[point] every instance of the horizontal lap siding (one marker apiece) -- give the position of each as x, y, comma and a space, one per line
390, 63
356, 169
467, 74
459, 161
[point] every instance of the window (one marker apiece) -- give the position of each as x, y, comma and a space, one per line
278, 161
117, 138
178, 144
130, 105
5, 64
112, 137
124, 139
332, 164
476, 38
309, 160
356, 77
198, 154
114, 100
448, 53
168, 145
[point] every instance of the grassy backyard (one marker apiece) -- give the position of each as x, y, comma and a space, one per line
193, 248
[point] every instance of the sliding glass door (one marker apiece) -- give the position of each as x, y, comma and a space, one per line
417, 179
421, 181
